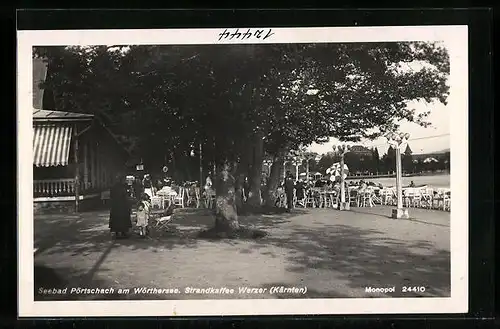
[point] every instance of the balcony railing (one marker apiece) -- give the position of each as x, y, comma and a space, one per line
64, 187
54, 187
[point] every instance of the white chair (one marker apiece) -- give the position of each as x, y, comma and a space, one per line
368, 198
179, 199
408, 195
417, 198
447, 201
441, 199
426, 198
162, 222
325, 199
376, 197
387, 196
353, 197
308, 199
164, 218
189, 196
197, 194
209, 198
157, 202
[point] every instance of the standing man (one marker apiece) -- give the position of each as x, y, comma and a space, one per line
289, 186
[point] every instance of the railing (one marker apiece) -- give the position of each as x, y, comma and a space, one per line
54, 187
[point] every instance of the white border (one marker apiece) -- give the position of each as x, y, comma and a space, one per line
456, 39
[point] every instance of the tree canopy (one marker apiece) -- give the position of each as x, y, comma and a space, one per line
295, 94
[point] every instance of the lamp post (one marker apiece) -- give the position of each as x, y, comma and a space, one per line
342, 150
398, 140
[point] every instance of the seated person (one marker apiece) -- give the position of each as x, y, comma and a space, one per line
319, 183
300, 191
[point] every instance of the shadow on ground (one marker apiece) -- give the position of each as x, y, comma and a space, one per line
365, 257
63, 283
88, 232
360, 257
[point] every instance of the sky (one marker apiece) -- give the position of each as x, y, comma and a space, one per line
422, 140
434, 138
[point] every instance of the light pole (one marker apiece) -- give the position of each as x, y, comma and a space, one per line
397, 141
343, 150
316, 159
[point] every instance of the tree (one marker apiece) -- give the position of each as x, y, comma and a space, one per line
446, 160
326, 161
352, 160
407, 161
389, 160
266, 98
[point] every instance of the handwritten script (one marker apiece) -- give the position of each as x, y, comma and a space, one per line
259, 34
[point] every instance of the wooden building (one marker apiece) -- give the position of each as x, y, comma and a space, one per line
75, 157
75, 160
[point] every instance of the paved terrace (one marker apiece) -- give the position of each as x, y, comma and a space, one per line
333, 254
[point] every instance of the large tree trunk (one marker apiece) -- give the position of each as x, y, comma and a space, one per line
256, 171
273, 182
226, 216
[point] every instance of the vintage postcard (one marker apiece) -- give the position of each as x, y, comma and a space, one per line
243, 171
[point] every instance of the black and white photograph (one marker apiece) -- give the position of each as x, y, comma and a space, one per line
243, 171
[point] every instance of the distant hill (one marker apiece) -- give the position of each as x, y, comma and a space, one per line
436, 155
433, 153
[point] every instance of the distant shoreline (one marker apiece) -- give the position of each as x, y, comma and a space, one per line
394, 175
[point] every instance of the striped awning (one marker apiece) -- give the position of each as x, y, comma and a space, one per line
51, 144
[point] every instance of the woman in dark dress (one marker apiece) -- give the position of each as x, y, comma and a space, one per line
119, 217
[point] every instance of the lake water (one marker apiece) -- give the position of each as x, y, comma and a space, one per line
432, 181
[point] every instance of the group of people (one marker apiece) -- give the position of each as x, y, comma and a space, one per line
299, 188
137, 186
